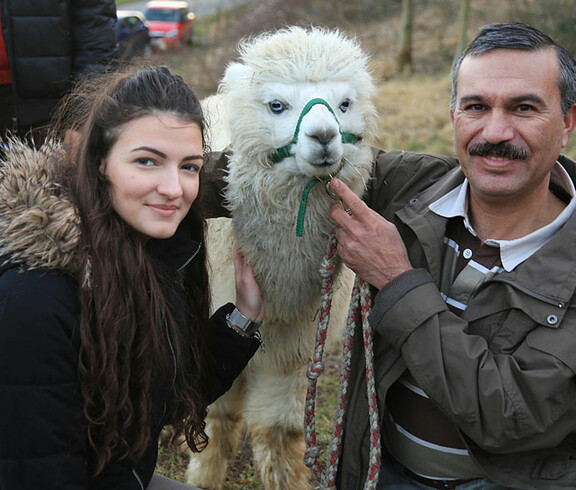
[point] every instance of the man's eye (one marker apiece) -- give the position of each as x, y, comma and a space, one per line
525, 108
277, 107
474, 107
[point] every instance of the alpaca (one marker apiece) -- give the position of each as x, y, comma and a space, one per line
296, 109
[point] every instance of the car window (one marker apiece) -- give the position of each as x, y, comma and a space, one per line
161, 15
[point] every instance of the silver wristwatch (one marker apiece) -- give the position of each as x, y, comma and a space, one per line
242, 324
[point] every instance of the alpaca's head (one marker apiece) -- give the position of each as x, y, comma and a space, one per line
299, 101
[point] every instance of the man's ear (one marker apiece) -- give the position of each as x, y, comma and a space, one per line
569, 125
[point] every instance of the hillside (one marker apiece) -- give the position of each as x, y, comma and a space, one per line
413, 107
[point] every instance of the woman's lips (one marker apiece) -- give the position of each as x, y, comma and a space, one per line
163, 209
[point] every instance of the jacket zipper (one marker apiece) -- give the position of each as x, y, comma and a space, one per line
174, 362
190, 258
528, 292
138, 479
172, 351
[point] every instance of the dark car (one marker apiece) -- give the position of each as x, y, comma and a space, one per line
132, 34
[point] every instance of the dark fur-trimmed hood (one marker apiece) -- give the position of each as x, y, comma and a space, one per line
39, 225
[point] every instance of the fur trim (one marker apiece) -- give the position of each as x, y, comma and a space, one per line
39, 226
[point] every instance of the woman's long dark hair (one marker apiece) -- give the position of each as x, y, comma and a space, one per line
131, 326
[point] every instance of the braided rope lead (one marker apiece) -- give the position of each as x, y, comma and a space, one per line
360, 301
374, 455
316, 367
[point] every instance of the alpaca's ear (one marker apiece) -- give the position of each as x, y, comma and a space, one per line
236, 71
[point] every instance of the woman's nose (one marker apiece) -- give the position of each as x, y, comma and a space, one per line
170, 185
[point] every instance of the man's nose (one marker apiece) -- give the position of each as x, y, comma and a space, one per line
498, 127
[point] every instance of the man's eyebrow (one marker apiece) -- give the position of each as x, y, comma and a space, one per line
536, 99
470, 98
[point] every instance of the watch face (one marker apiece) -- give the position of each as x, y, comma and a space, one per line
240, 320
242, 323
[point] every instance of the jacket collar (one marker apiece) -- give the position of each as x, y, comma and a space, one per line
512, 252
549, 274
177, 251
39, 225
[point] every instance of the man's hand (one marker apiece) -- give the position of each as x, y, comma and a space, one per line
369, 244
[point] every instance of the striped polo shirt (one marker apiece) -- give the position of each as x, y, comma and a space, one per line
419, 436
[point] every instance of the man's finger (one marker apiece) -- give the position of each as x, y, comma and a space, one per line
351, 203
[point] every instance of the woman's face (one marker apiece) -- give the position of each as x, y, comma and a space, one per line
153, 172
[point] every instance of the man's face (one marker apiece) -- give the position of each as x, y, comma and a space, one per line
508, 123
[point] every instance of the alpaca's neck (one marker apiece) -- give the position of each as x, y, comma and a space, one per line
264, 208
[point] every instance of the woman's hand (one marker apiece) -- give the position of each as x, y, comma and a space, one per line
248, 296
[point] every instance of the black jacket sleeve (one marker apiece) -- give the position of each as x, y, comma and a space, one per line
41, 417
230, 352
93, 28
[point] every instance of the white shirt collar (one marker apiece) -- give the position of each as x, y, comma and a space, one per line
512, 252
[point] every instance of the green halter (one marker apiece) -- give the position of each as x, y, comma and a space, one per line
286, 151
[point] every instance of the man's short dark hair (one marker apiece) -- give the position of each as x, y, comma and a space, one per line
516, 35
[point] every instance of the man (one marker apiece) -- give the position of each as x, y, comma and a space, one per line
474, 321
45, 46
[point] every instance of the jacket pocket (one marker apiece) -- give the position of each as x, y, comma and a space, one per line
556, 466
558, 343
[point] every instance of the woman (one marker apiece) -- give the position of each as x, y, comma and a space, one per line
105, 335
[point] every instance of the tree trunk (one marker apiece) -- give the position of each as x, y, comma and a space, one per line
404, 59
463, 34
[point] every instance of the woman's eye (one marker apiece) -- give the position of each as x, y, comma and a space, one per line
145, 162
192, 167
277, 107
344, 105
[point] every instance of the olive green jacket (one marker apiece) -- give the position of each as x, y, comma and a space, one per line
504, 372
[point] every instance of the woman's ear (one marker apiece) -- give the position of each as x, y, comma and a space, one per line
72, 143
102, 167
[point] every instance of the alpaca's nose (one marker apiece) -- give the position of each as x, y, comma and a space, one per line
323, 136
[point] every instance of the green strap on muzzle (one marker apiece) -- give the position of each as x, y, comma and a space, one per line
286, 152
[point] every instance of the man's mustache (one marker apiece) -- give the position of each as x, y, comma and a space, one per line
503, 150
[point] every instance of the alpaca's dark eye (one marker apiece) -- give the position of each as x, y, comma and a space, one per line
277, 106
344, 105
